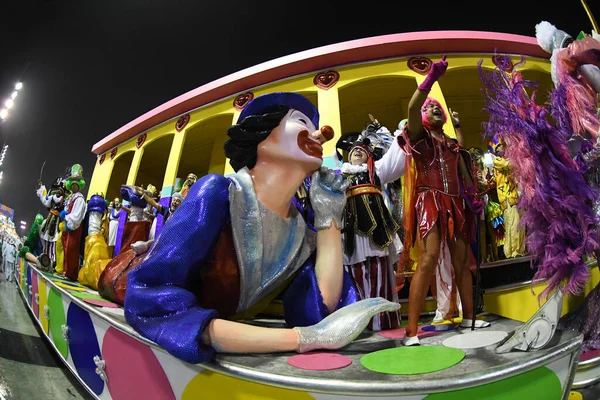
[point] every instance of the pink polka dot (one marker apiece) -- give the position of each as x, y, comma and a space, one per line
101, 303
133, 370
399, 333
589, 355
319, 361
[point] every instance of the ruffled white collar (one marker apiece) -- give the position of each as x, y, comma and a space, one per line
348, 168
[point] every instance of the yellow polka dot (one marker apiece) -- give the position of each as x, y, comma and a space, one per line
69, 287
211, 385
43, 301
575, 396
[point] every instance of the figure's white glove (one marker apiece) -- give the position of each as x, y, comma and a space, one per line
328, 197
140, 247
342, 326
41, 191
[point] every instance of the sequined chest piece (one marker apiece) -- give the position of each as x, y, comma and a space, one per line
437, 166
269, 248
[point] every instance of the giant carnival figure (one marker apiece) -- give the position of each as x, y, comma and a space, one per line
96, 254
437, 182
576, 76
49, 233
557, 202
238, 242
71, 226
370, 240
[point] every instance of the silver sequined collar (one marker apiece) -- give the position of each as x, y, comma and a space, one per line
260, 276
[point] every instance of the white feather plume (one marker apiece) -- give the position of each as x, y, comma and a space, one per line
544, 32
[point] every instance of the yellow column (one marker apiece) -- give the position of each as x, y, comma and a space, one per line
436, 93
228, 170
218, 161
135, 166
173, 163
329, 111
100, 177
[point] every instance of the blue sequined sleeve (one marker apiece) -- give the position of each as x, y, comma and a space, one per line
158, 302
303, 302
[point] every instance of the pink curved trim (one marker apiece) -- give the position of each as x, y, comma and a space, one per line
321, 58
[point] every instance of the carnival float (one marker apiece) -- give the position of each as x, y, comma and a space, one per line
153, 199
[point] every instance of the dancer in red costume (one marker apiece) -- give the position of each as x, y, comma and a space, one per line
436, 215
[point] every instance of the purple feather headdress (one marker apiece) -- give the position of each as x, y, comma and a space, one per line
557, 202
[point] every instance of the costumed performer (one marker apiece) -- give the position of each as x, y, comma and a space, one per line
164, 211
33, 242
508, 196
137, 227
575, 72
149, 210
576, 75
189, 181
395, 191
493, 211
114, 212
436, 187
54, 202
96, 254
72, 217
557, 202
443, 286
141, 247
370, 241
236, 243
32, 249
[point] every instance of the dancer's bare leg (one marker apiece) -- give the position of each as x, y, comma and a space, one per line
462, 273
429, 253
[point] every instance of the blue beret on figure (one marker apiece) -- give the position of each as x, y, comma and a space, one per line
97, 203
261, 104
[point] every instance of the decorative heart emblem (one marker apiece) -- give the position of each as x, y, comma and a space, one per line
326, 80
113, 153
421, 65
140, 140
182, 122
240, 102
503, 62
102, 158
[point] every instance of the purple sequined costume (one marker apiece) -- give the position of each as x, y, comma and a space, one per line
168, 299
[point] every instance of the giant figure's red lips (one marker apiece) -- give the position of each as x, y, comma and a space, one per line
309, 146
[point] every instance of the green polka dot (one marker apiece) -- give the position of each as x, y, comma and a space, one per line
541, 383
412, 360
57, 320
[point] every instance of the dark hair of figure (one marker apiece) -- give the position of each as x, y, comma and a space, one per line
241, 147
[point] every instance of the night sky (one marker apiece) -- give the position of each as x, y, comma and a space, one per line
90, 67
